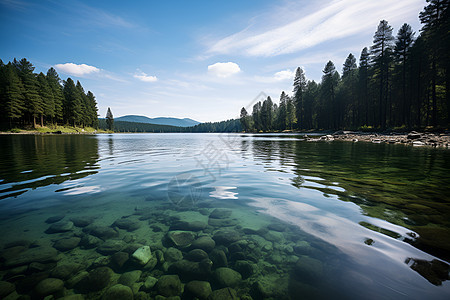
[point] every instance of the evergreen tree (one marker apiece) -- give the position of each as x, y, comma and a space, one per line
267, 114
73, 106
93, 110
282, 112
244, 118
349, 104
349, 66
33, 101
256, 116
363, 78
291, 115
13, 99
58, 96
85, 117
110, 119
299, 88
381, 59
403, 43
329, 84
48, 100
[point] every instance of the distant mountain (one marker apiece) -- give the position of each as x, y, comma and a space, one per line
186, 122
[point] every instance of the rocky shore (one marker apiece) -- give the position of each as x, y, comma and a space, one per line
412, 138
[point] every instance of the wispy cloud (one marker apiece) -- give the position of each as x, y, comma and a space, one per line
76, 70
327, 20
223, 69
144, 77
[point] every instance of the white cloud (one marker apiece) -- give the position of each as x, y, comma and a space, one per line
284, 75
76, 70
144, 77
224, 69
335, 19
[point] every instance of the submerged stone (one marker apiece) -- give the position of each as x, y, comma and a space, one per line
277, 227
99, 278
181, 239
204, 242
226, 277
199, 289
219, 258
129, 278
173, 254
245, 268
119, 259
38, 254
149, 283
49, 286
222, 222
6, 288
191, 270
118, 292
127, 224
221, 213
67, 244
169, 285
196, 255
89, 241
102, 232
54, 219
224, 294
82, 221
142, 255
190, 226
309, 268
64, 271
110, 247
226, 237
60, 227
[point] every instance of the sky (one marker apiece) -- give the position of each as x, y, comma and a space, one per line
203, 60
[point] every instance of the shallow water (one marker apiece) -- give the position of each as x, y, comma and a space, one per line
309, 219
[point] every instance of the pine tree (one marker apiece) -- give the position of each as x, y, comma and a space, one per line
13, 104
329, 84
33, 101
256, 116
110, 119
58, 96
73, 107
48, 100
282, 112
381, 58
93, 110
403, 43
244, 118
291, 115
267, 114
363, 74
299, 88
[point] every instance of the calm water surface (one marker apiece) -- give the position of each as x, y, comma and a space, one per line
308, 219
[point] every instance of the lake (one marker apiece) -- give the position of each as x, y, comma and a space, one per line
267, 216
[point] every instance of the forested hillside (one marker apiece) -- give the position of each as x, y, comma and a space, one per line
27, 98
401, 82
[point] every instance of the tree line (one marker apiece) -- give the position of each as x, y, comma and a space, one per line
401, 82
27, 98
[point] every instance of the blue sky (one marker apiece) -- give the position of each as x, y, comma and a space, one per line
198, 59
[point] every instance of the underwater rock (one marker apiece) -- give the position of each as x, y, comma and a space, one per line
204, 242
127, 224
73, 297
89, 241
226, 277
21, 243
67, 244
119, 259
308, 268
38, 254
277, 227
27, 283
196, 255
54, 219
273, 236
6, 288
198, 289
245, 268
219, 258
226, 237
142, 255
303, 247
159, 256
110, 247
35, 267
77, 279
222, 222
63, 226
224, 294
190, 226
64, 271
173, 254
169, 285
118, 292
98, 279
221, 213
190, 269
434, 271
149, 283
102, 232
181, 239
82, 221
129, 278
49, 286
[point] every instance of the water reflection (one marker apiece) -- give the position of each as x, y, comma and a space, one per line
33, 161
397, 184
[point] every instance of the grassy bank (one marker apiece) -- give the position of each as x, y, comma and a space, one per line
56, 129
